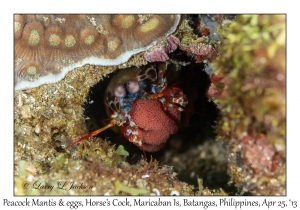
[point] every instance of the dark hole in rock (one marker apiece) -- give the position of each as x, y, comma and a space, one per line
193, 150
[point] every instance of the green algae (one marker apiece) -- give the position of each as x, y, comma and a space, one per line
121, 151
252, 101
119, 187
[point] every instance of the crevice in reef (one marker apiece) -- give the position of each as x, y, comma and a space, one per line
196, 135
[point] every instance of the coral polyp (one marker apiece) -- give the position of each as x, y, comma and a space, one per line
150, 25
54, 40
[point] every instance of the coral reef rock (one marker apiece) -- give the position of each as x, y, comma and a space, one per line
93, 178
249, 87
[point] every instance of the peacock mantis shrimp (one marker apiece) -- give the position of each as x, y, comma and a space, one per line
144, 105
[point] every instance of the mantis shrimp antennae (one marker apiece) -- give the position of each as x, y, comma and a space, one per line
94, 133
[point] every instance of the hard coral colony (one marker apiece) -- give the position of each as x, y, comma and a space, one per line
47, 47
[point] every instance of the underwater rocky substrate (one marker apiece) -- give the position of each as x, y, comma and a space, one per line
248, 87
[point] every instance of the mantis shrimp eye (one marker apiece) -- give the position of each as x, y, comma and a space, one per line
133, 86
119, 91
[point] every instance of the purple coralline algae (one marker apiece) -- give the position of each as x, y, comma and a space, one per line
160, 54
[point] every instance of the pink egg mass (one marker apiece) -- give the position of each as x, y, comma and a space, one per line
155, 124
